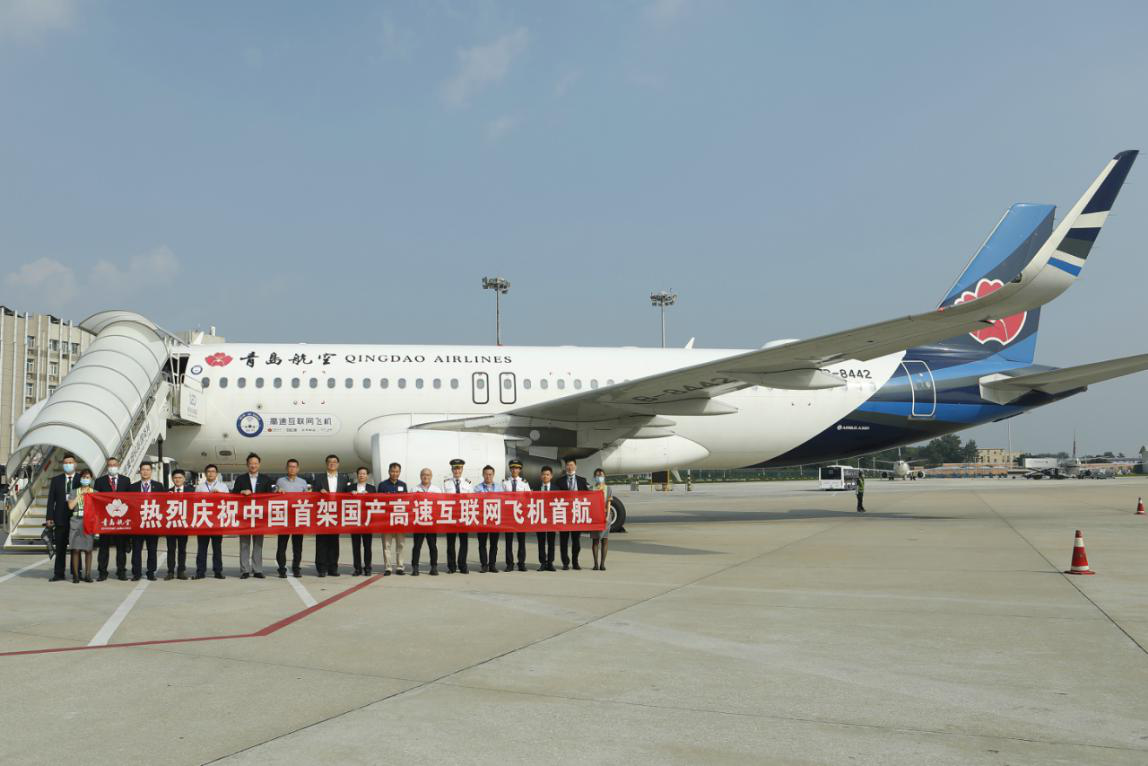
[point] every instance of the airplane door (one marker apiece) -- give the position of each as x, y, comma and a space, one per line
921, 387
480, 387
507, 388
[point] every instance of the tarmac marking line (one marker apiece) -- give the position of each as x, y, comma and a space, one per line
105, 633
267, 631
22, 570
307, 599
1068, 578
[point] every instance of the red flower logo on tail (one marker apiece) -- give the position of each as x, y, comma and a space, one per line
218, 359
1003, 331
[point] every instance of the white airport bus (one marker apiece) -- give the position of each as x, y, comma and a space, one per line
838, 477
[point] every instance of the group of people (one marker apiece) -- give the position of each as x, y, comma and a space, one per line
65, 520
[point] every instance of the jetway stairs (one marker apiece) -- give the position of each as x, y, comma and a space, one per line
117, 401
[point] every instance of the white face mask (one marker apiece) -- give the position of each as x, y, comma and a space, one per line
69, 467
599, 479
113, 470
85, 481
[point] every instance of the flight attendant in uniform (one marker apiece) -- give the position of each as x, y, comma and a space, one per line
487, 541
457, 484
515, 484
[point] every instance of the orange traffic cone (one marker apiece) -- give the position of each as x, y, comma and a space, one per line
1079, 557
1140, 506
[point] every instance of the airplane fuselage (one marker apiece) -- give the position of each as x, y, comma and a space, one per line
308, 400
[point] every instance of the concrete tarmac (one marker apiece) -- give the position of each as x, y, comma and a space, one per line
739, 623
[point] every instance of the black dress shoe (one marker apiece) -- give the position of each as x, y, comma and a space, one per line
434, 571
282, 574
521, 567
122, 577
575, 565
366, 571
75, 579
482, 568
464, 570
88, 579
169, 576
602, 568
244, 575
356, 572
322, 574
492, 569
135, 578
258, 575
220, 576
151, 578
550, 566
565, 567
296, 573
181, 576
103, 577
198, 576
450, 570
415, 572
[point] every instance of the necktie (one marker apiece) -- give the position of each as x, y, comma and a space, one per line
456, 487
514, 485
146, 486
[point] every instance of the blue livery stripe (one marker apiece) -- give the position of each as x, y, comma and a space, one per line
1065, 266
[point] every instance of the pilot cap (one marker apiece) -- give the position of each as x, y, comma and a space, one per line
457, 461
515, 464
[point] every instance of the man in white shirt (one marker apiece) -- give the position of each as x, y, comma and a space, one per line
515, 484
361, 541
457, 484
488, 541
425, 486
327, 546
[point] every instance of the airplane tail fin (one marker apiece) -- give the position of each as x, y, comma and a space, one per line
1024, 249
1017, 237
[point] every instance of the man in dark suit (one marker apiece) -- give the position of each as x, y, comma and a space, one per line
572, 482
145, 485
58, 516
251, 546
327, 546
113, 482
361, 543
177, 544
546, 539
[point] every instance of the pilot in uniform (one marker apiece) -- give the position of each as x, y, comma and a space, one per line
515, 484
457, 484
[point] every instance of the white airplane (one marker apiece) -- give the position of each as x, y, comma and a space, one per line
138, 391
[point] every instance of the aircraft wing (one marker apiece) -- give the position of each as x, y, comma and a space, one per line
798, 365
1065, 379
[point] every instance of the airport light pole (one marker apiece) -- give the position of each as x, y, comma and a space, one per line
500, 287
662, 299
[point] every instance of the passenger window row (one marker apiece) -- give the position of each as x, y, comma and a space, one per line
436, 383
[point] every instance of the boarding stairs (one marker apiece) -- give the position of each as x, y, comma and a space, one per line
118, 400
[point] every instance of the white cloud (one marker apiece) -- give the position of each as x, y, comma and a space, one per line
664, 12
45, 284
31, 18
566, 82
483, 65
398, 42
501, 127
157, 268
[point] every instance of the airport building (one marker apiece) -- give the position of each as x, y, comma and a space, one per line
36, 352
996, 456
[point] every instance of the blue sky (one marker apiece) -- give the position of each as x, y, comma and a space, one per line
349, 171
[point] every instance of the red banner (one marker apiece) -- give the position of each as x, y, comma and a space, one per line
311, 513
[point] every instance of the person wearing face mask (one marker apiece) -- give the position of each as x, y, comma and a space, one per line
58, 515
78, 540
113, 482
601, 539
